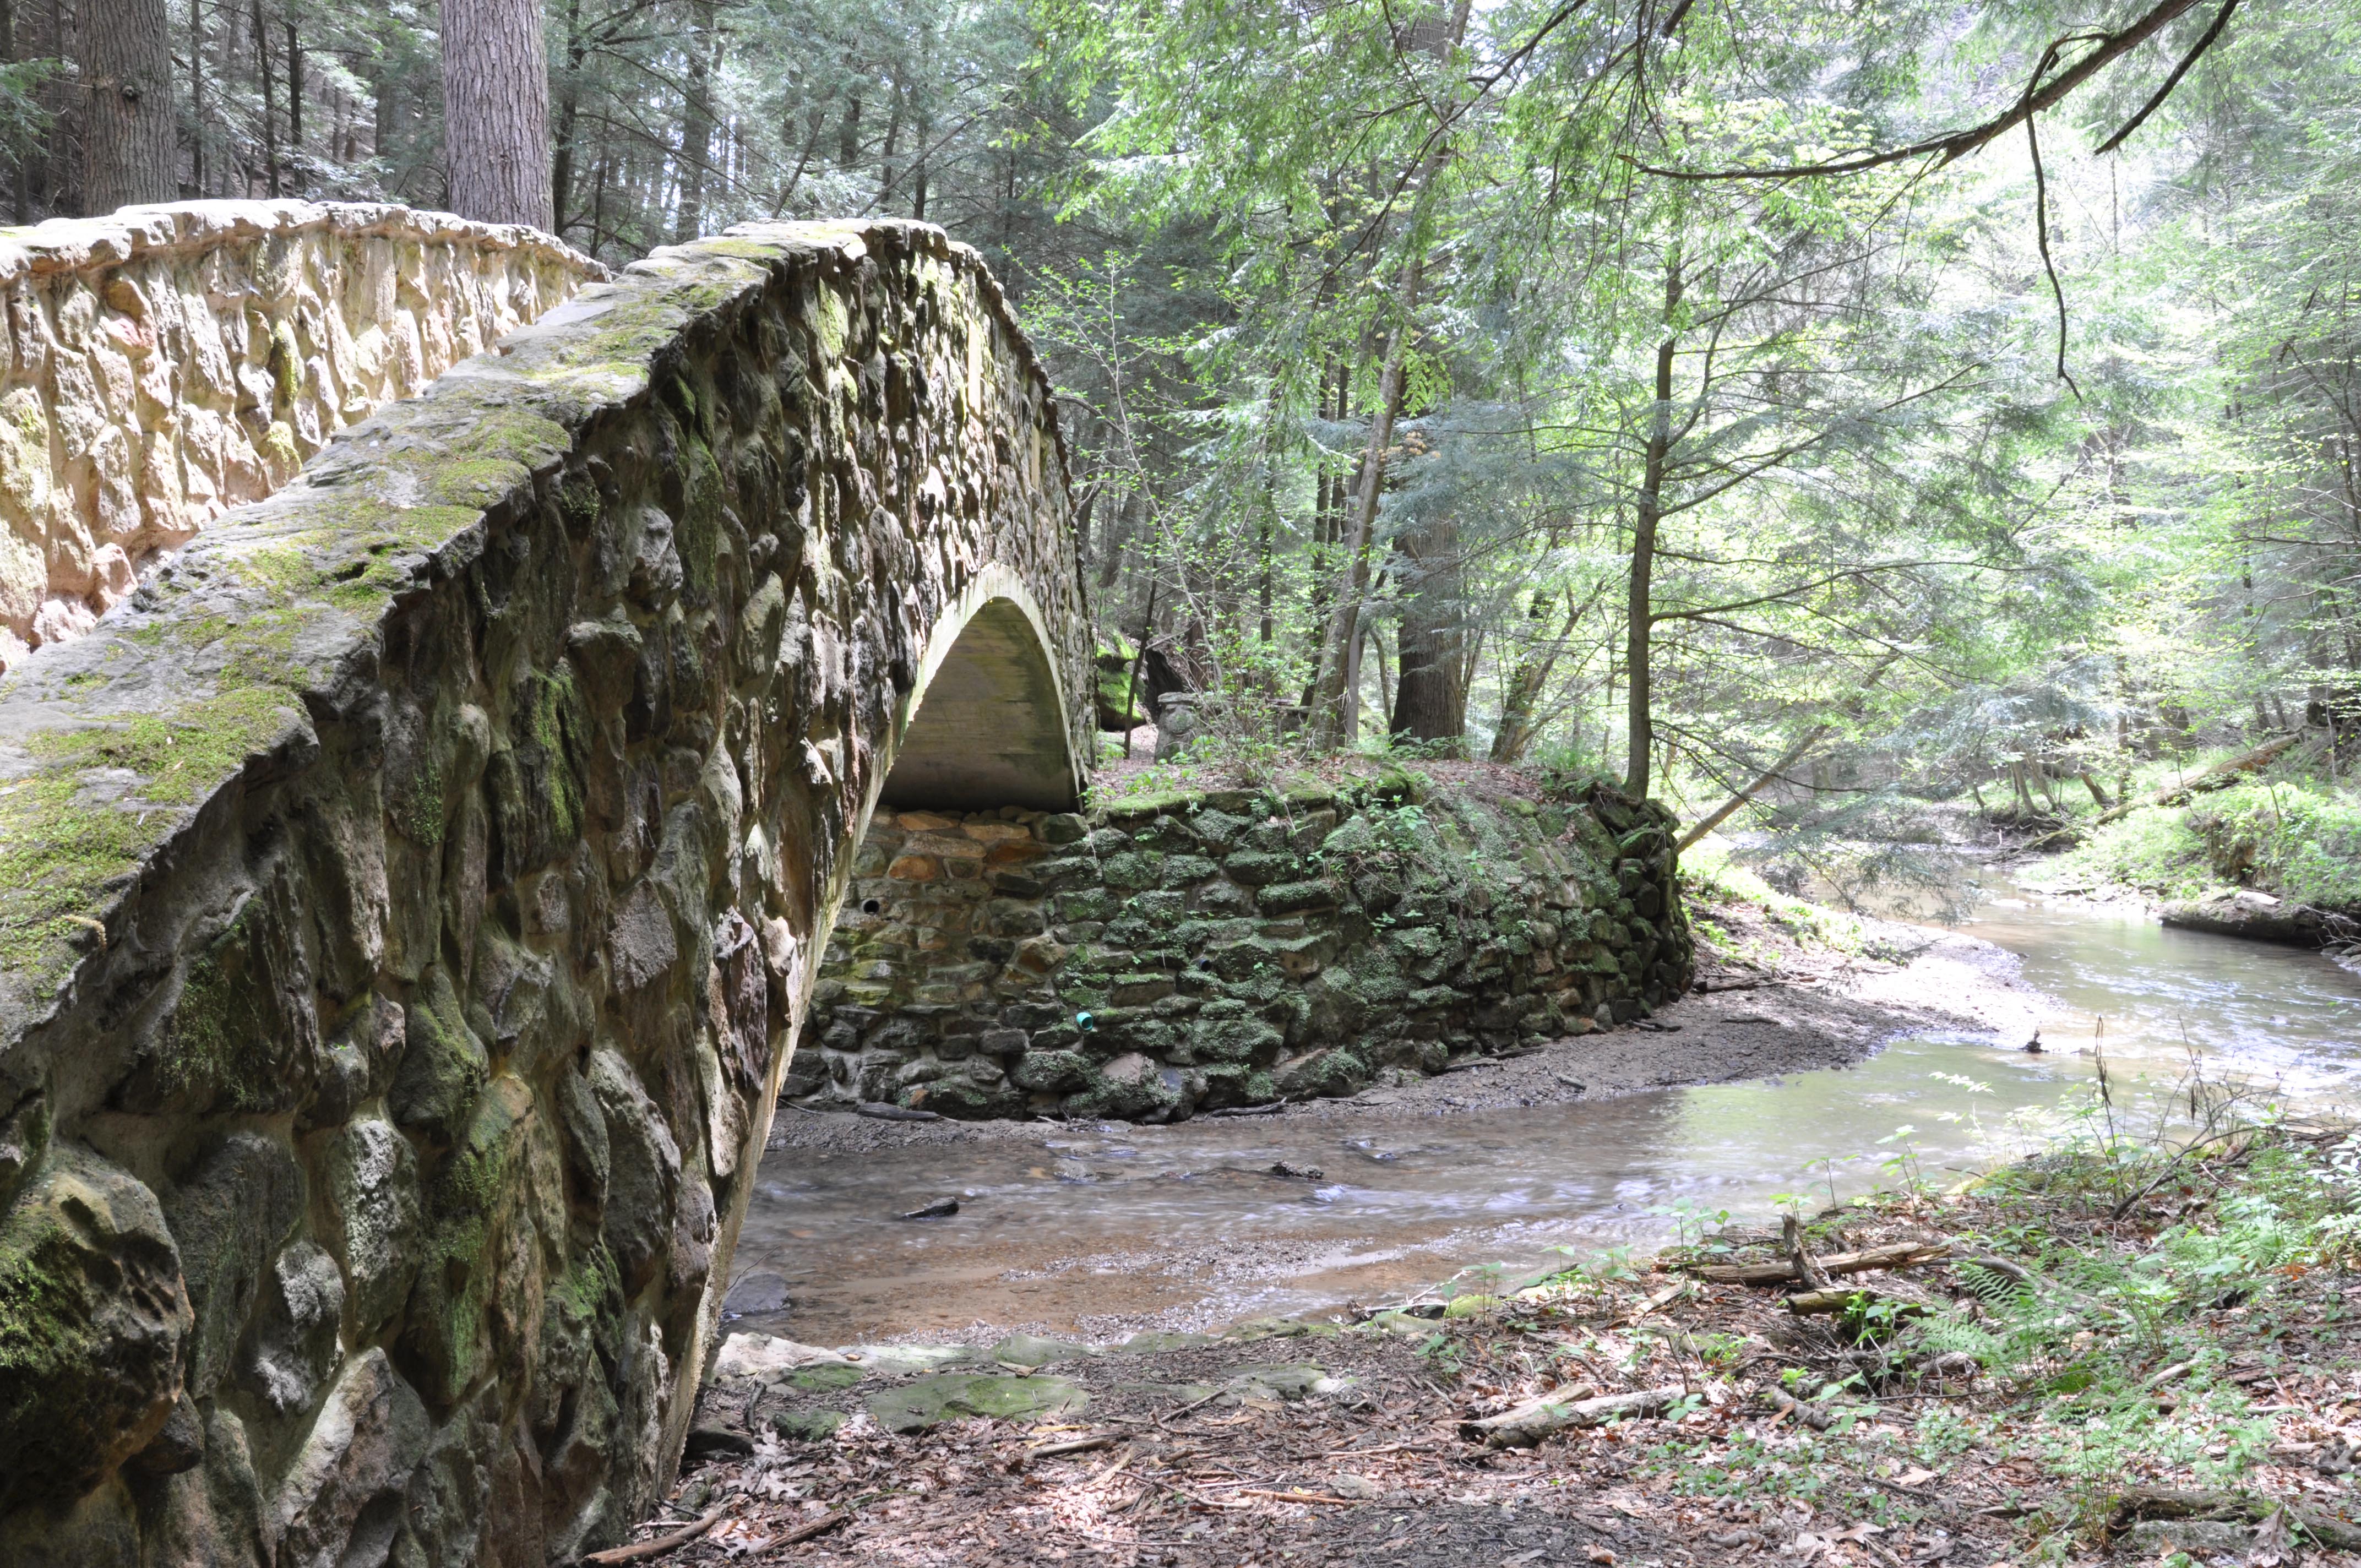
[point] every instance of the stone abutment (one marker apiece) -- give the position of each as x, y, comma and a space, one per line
409, 895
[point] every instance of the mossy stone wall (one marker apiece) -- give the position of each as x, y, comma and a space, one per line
1159, 958
408, 899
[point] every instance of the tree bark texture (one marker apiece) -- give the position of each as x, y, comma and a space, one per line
1431, 690
128, 152
696, 125
496, 111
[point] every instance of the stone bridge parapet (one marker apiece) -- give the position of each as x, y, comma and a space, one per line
410, 895
162, 365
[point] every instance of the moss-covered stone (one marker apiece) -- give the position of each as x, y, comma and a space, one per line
929, 1401
94, 1326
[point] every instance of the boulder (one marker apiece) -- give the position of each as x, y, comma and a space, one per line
94, 1327
372, 1181
341, 1500
949, 1396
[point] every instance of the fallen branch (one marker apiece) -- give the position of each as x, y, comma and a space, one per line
2219, 777
1530, 1422
643, 1551
1896, 1254
1808, 1272
1074, 1445
817, 1526
1786, 1404
1296, 1497
878, 1111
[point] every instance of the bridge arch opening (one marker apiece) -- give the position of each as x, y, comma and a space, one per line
987, 724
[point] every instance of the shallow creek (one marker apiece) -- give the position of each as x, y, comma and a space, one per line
1097, 1230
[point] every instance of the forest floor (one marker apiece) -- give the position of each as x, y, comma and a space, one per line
2110, 1350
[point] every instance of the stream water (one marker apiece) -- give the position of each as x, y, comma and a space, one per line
1098, 1231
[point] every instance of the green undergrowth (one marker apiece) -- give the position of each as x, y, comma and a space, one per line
2113, 1314
2297, 838
1726, 899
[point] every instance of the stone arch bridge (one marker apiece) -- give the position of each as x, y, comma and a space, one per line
409, 890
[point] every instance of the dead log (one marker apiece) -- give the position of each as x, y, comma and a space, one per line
1537, 1418
1896, 1254
1813, 1416
2219, 777
2136, 1503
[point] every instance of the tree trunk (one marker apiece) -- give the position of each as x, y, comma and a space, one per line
294, 111
1429, 697
1521, 698
196, 186
886, 175
20, 182
1640, 607
128, 154
569, 108
270, 101
697, 123
847, 134
1333, 689
1339, 648
496, 111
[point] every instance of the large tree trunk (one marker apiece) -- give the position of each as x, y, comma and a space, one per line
1430, 692
496, 111
128, 154
697, 124
1640, 606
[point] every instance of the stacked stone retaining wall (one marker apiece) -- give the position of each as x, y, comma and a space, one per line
1207, 950
162, 365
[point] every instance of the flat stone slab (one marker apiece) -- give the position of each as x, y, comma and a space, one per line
929, 1401
885, 1360
764, 1356
1033, 1350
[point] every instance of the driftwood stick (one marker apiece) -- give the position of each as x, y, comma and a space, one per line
1897, 1254
1537, 1418
641, 1552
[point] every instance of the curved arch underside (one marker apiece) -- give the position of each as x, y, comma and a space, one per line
990, 727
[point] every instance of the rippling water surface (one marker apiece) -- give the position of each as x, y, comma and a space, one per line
1098, 1230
